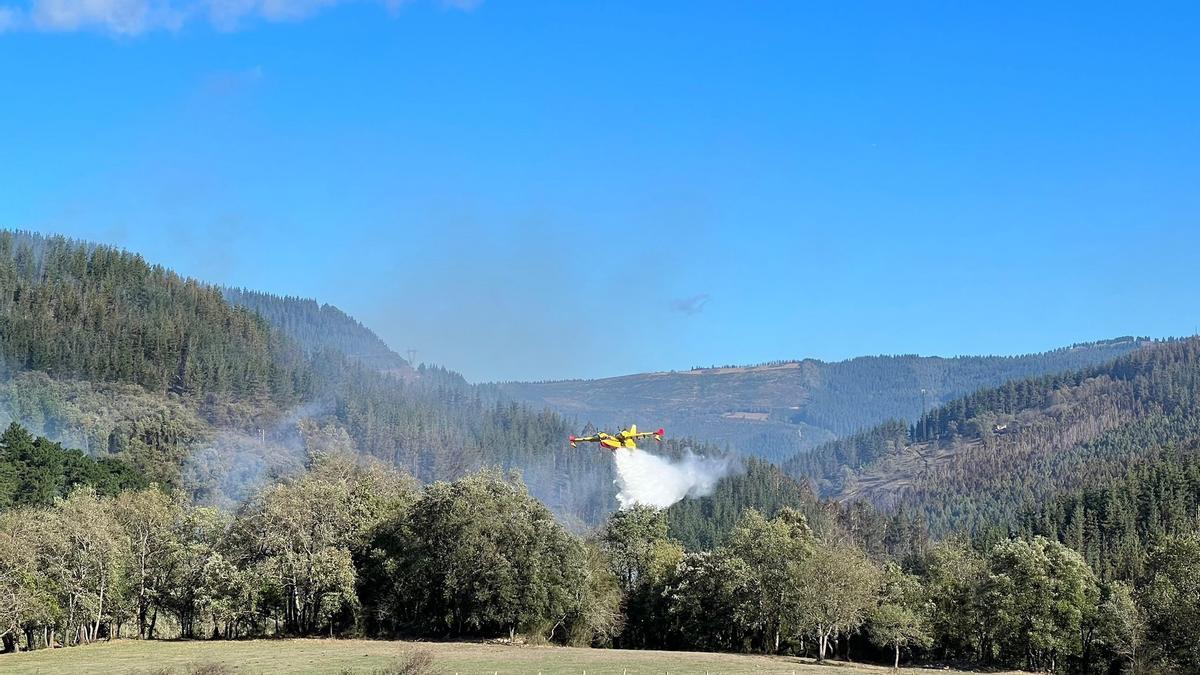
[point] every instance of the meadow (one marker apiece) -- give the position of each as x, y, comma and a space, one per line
379, 656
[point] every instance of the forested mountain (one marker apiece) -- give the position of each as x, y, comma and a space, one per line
91, 312
978, 459
128, 360
779, 409
316, 327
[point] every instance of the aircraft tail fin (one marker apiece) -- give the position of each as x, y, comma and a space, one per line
633, 428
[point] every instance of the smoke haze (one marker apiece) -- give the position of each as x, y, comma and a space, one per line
650, 480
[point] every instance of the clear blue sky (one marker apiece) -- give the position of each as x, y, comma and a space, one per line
526, 190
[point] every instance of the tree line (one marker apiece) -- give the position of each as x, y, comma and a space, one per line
349, 547
36, 471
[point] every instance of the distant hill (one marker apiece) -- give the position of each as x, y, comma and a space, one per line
779, 409
977, 460
316, 326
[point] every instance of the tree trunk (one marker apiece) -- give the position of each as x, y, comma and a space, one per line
897, 666
99, 613
293, 611
70, 619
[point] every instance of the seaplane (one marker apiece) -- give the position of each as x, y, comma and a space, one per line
625, 438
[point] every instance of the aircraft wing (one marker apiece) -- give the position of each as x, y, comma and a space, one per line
658, 435
584, 439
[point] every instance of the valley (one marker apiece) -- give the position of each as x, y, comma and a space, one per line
777, 410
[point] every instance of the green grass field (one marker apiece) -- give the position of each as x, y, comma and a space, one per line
367, 656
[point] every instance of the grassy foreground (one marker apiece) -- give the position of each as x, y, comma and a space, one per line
365, 656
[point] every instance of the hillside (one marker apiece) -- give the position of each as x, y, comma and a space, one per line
978, 459
316, 326
706, 522
703, 523
104, 351
77, 310
776, 410
1115, 525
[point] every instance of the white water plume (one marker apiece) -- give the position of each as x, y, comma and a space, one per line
651, 480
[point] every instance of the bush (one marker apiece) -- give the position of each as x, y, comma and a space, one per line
419, 662
210, 668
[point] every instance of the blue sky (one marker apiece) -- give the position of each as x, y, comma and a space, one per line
524, 190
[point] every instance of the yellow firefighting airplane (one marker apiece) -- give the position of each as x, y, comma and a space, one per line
625, 438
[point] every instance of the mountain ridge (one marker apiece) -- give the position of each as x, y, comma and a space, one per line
976, 460
777, 409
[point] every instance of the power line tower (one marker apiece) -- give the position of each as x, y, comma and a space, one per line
924, 423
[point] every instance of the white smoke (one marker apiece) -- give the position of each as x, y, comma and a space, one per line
650, 480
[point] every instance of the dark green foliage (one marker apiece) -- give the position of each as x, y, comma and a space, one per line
705, 522
1028, 603
702, 595
475, 557
36, 471
97, 313
1170, 599
1115, 525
